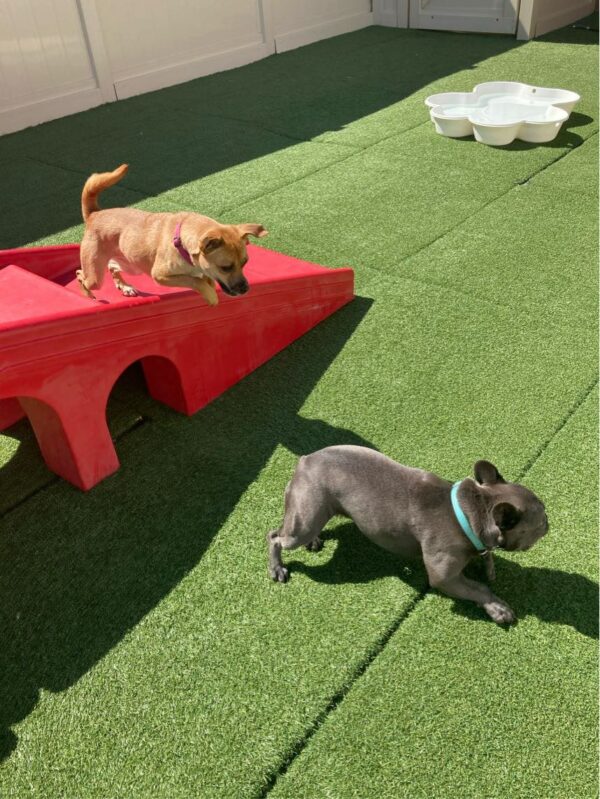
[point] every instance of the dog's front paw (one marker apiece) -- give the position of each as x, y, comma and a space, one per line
316, 545
206, 287
128, 290
280, 574
499, 612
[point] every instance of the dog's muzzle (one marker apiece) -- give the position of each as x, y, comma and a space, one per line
234, 291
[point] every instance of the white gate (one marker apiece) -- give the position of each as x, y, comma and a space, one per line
484, 16
528, 18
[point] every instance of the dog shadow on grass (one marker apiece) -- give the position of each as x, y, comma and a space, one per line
79, 570
554, 596
355, 559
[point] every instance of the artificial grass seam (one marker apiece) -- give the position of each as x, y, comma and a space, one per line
360, 151
544, 446
142, 421
516, 185
380, 645
297, 748
143, 194
296, 139
357, 149
354, 152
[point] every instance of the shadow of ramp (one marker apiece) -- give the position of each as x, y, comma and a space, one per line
81, 570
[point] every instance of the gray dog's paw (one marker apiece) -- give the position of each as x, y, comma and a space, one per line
499, 612
316, 545
280, 574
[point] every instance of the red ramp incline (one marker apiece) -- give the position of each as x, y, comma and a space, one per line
61, 353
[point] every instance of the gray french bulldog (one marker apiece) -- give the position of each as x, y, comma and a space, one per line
412, 513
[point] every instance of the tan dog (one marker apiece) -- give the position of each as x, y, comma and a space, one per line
182, 249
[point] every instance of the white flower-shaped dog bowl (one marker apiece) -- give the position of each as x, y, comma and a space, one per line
499, 112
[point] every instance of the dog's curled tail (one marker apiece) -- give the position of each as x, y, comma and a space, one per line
97, 183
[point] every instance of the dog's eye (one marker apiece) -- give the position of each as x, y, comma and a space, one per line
227, 268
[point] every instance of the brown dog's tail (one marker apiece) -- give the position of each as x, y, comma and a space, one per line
97, 183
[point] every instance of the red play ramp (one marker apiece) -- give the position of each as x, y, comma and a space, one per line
61, 353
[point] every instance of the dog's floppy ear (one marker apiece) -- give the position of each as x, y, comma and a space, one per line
250, 229
211, 241
487, 474
506, 515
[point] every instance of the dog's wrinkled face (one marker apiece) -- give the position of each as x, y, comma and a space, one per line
521, 518
516, 518
222, 255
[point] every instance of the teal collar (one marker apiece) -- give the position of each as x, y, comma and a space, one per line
463, 521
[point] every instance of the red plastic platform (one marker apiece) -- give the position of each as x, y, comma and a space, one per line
61, 353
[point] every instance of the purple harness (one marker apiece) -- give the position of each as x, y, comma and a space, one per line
179, 246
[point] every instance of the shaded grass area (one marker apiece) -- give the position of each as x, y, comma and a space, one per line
147, 654
182, 134
24, 471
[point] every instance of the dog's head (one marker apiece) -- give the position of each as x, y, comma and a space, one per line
221, 254
505, 515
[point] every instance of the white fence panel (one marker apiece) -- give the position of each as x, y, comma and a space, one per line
45, 67
299, 23
153, 43
62, 56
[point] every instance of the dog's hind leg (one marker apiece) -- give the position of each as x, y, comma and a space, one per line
305, 516
316, 545
94, 263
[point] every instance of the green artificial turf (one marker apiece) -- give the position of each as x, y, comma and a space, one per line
145, 653
454, 706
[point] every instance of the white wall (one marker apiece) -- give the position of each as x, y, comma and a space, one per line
156, 43
537, 17
299, 23
62, 56
45, 65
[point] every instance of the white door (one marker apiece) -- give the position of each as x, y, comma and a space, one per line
484, 16
45, 66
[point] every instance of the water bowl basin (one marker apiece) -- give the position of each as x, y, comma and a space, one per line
499, 112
